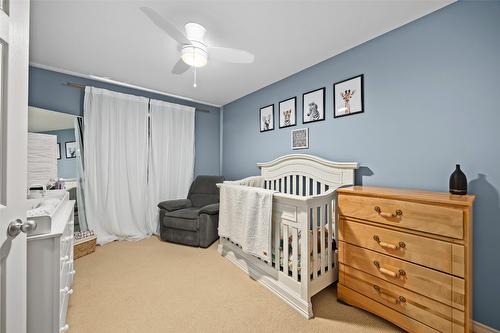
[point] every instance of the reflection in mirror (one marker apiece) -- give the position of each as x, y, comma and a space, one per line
54, 163
3, 137
4, 6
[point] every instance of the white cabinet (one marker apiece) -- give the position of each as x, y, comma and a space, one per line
50, 274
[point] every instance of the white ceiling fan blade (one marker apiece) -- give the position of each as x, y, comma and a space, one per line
164, 25
180, 67
230, 55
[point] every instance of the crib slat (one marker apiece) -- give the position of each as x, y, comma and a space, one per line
315, 242
301, 185
322, 216
277, 235
270, 261
295, 257
285, 249
329, 220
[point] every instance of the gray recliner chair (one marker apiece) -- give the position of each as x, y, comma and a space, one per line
192, 221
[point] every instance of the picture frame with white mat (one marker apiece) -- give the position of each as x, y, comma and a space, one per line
348, 96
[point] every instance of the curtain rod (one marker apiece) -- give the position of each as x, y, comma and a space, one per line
82, 87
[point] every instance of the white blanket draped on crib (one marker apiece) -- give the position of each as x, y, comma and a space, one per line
245, 218
254, 181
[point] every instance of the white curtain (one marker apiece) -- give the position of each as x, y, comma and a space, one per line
115, 160
80, 196
171, 157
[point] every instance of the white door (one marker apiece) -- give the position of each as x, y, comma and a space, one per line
14, 36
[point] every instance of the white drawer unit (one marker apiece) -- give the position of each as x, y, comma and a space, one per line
50, 274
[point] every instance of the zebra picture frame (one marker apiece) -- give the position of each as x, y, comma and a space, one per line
266, 118
287, 112
313, 106
348, 97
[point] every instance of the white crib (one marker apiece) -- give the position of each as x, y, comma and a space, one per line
303, 206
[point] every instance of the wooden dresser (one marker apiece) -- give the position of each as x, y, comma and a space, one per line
406, 256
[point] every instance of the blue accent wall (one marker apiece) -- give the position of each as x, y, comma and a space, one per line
66, 167
431, 101
47, 90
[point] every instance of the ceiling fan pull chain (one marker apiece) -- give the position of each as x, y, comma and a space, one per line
194, 85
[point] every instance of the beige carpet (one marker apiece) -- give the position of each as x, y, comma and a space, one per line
152, 286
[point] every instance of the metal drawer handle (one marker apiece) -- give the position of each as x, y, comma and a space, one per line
389, 298
390, 246
397, 213
388, 272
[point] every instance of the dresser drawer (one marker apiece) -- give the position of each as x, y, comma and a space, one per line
436, 254
354, 298
434, 219
425, 310
442, 287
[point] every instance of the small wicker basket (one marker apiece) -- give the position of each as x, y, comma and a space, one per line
84, 245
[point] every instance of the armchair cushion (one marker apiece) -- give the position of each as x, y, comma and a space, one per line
204, 190
212, 209
173, 205
190, 213
183, 219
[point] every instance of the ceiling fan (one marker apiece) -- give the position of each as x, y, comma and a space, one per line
194, 50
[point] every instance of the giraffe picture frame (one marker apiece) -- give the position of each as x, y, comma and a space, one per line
348, 97
313, 106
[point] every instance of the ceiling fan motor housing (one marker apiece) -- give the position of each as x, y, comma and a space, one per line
195, 54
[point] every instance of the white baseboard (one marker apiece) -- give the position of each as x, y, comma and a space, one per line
481, 328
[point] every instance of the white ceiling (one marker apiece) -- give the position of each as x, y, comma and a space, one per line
41, 120
114, 39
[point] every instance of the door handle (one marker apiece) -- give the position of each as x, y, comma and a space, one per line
17, 226
28, 226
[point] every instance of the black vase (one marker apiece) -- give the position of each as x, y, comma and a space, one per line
458, 182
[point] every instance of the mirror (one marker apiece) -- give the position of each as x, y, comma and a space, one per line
54, 159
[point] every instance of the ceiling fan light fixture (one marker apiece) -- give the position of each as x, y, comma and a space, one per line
194, 56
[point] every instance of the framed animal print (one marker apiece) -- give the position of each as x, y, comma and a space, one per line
348, 97
266, 118
71, 150
313, 106
288, 112
300, 138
